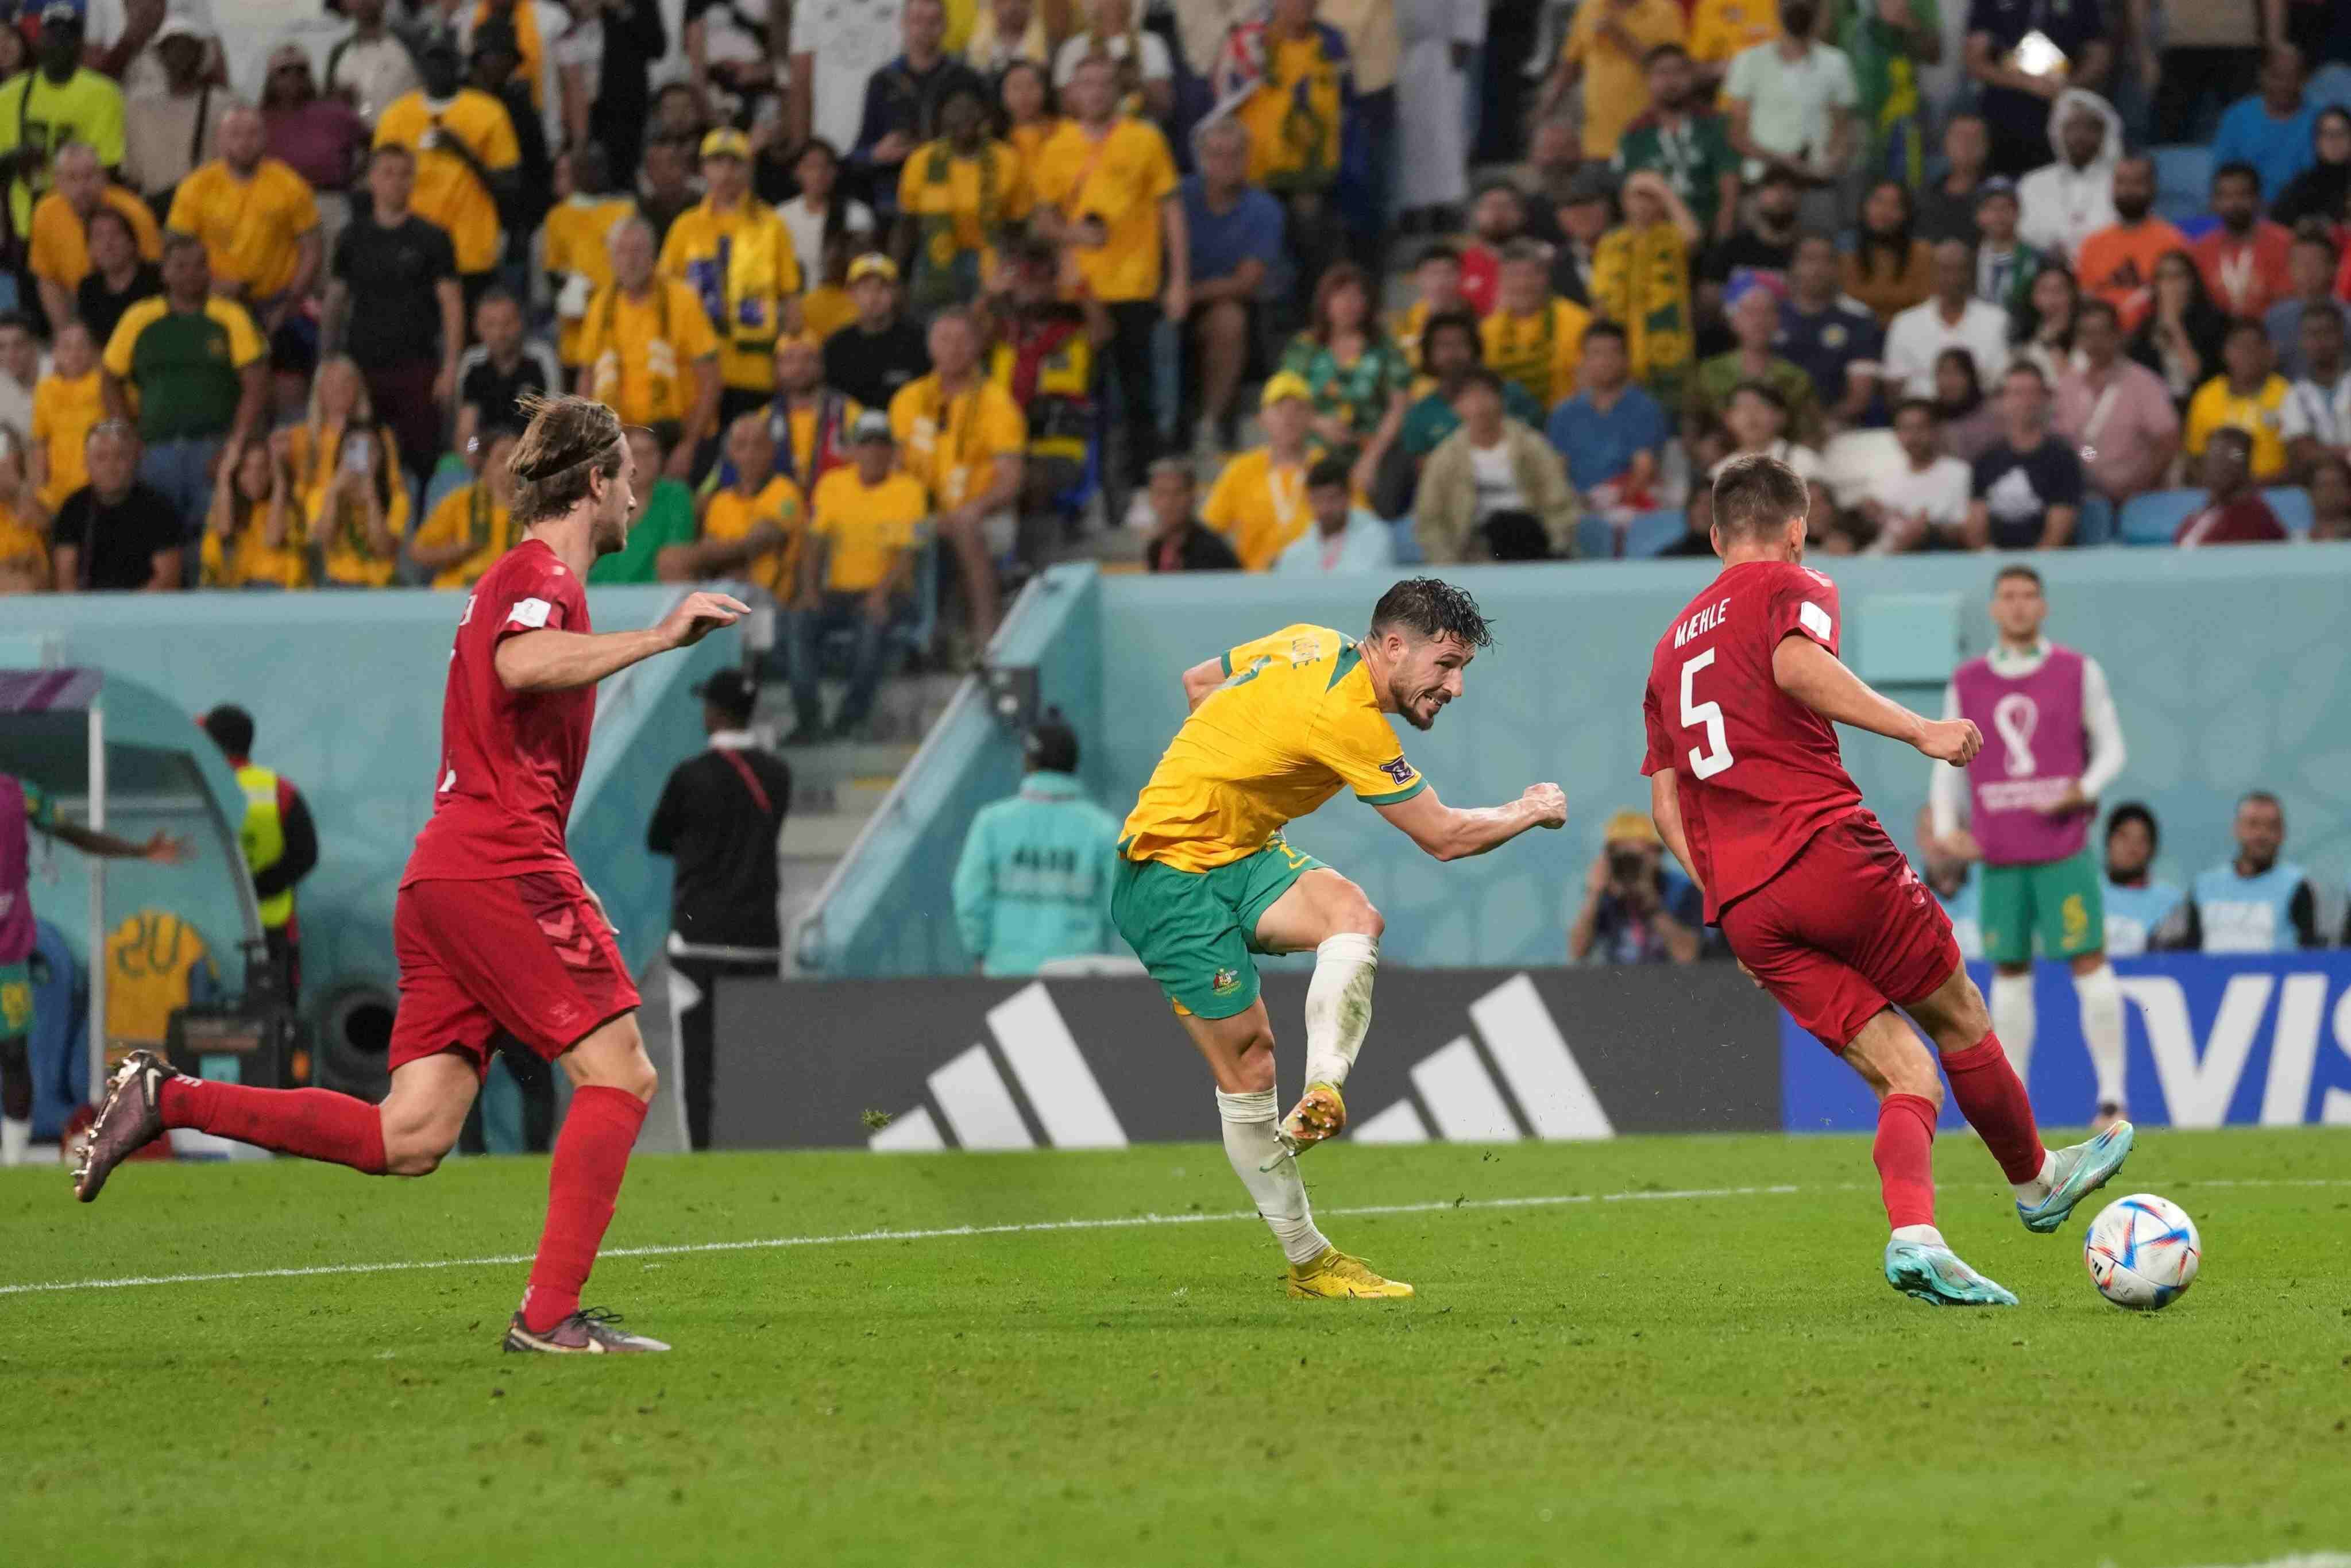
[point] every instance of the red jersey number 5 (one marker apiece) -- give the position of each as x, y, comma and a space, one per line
1713, 756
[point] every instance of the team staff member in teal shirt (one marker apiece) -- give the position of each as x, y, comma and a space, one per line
1033, 884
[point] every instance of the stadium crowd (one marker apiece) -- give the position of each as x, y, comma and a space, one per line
1270, 284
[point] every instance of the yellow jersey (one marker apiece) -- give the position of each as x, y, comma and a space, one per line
1259, 505
1293, 116
2216, 407
60, 247
959, 204
315, 456
64, 411
446, 192
1539, 352
1719, 29
866, 526
1296, 719
731, 515
742, 266
469, 512
643, 351
1122, 180
1615, 86
244, 559
951, 445
826, 309
251, 228
579, 234
24, 554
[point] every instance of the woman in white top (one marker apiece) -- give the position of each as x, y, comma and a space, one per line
822, 209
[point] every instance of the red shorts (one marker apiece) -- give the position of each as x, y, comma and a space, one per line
1845, 930
523, 956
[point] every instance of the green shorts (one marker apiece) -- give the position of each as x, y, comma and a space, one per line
1194, 930
16, 1000
2061, 901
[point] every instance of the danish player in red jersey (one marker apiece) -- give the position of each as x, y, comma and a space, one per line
1748, 791
496, 934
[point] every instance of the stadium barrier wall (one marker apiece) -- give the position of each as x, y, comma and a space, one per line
1463, 1055
2213, 1039
2228, 665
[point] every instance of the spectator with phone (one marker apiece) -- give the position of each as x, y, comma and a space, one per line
346, 468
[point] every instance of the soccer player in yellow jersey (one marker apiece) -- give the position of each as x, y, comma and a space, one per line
1205, 878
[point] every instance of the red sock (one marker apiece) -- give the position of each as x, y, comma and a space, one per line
1993, 1101
592, 1156
316, 1124
1904, 1153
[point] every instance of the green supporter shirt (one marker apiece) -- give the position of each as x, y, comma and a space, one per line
668, 520
41, 114
1693, 158
185, 365
1717, 378
1430, 418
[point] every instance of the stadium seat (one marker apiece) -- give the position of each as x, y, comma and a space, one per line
1407, 542
2153, 518
1652, 531
2292, 504
1595, 540
2096, 526
2183, 181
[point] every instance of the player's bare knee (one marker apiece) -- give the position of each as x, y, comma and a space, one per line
416, 1147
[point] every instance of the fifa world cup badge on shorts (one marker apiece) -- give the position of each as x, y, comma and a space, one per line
1227, 982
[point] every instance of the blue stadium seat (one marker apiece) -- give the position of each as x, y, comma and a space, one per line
2154, 517
1595, 539
2183, 181
1407, 542
2292, 504
2096, 526
1652, 531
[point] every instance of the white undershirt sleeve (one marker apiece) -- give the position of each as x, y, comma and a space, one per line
2106, 731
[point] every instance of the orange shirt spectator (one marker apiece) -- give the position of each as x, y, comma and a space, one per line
2118, 264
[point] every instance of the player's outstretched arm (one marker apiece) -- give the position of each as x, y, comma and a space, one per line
1452, 832
1200, 680
551, 661
162, 849
1818, 679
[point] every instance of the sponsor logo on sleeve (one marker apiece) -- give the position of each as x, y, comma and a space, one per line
1815, 619
534, 611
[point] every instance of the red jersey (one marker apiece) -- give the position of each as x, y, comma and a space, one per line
1758, 773
510, 760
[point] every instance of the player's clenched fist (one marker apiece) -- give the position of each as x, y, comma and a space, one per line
1550, 804
699, 614
1952, 740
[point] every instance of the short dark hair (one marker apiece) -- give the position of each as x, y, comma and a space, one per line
1482, 378
2260, 797
2244, 324
1757, 494
2019, 570
2134, 812
1925, 405
175, 242
2027, 368
231, 728
2234, 437
1461, 321
2238, 170
1663, 51
1439, 251
391, 149
1328, 472
18, 319
1606, 328
1431, 608
2091, 305
114, 216
1763, 390
1051, 745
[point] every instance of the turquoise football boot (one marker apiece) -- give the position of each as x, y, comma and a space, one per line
1936, 1277
2080, 1171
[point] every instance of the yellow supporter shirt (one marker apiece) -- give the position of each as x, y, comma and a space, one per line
1293, 117
960, 203
866, 526
732, 515
742, 266
24, 554
446, 192
578, 240
251, 228
468, 513
1615, 87
315, 457
1721, 28
1295, 720
1029, 139
951, 446
244, 559
643, 350
60, 247
800, 429
1259, 507
826, 309
1122, 179
1538, 352
64, 413
2215, 407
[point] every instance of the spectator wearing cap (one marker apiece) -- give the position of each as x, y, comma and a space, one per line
733, 251
664, 517
1042, 352
2244, 256
170, 127
1342, 537
2233, 512
1494, 489
647, 350
1686, 141
116, 534
499, 371
1032, 883
371, 68
279, 841
718, 819
959, 197
1584, 207
2116, 413
197, 369
66, 102
466, 159
1634, 911
497, 67
1258, 501
1610, 433
2247, 395
1451, 348
1179, 541
58, 253
881, 353
866, 521
2027, 488
754, 526
964, 440
1641, 278
901, 99
2143, 916
1235, 235
1833, 340
1604, 51
1533, 337
2315, 418
258, 222
1755, 321
395, 305
1948, 207
1952, 317
2005, 265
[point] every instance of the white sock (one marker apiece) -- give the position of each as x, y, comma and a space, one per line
2014, 1020
2038, 1188
1278, 1194
1924, 1235
2101, 1029
1339, 1005
15, 1137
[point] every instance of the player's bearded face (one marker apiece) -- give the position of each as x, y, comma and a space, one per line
1427, 677
615, 506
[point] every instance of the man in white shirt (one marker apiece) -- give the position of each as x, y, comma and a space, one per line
1344, 537
2315, 418
1925, 501
1953, 319
835, 49
372, 66
2064, 202
1791, 103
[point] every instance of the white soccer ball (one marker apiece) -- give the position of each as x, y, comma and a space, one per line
2142, 1252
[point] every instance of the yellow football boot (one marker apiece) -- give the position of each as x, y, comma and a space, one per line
1336, 1276
1320, 1114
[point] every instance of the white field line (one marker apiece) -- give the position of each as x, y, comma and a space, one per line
1123, 1222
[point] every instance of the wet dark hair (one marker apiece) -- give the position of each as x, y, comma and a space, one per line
1430, 608
1757, 494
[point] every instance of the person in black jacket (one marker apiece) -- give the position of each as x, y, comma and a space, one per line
717, 819
1179, 541
280, 842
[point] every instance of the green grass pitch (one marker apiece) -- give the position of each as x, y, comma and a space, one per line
1667, 1377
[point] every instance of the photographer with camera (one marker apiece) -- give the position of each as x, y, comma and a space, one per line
1634, 911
